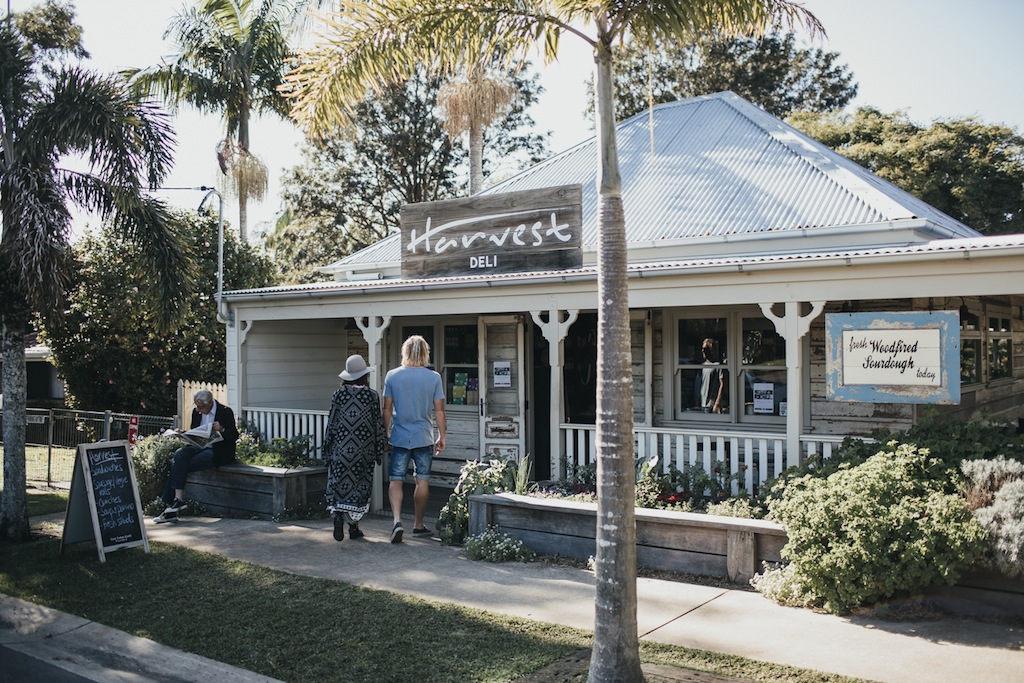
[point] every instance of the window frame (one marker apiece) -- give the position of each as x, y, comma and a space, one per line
732, 363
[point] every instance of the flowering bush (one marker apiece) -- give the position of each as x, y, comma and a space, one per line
494, 546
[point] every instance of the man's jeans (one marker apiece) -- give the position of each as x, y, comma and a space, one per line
186, 459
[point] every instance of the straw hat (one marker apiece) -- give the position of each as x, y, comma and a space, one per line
355, 367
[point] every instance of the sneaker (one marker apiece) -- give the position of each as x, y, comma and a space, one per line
423, 531
176, 507
166, 517
339, 528
354, 531
396, 533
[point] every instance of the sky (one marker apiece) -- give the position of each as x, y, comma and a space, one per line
932, 59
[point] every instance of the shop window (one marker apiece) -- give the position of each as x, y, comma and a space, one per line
764, 369
1000, 357
460, 362
731, 366
970, 347
702, 366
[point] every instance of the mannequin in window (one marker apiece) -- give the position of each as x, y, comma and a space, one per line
712, 380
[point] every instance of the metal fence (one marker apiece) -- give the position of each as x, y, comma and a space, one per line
52, 438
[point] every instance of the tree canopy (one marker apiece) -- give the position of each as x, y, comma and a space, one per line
773, 72
110, 351
970, 170
349, 190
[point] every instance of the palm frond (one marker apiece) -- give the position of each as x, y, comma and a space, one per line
369, 45
36, 235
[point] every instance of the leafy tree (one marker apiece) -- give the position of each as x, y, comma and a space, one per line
772, 72
972, 171
373, 40
109, 349
349, 190
49, 110
232, 55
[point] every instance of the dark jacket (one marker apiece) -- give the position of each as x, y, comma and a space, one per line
223, 451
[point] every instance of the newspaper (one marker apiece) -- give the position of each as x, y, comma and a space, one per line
200, 437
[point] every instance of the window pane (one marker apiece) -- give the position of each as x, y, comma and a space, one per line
764, 392
693, 332
706, 389
460, 345
999, 362
762, 345
970, 360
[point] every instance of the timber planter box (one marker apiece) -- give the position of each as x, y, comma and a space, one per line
687, 542
254, 491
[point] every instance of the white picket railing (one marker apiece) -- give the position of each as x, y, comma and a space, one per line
757, 456
274, 423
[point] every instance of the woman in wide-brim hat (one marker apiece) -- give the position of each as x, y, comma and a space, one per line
353, 443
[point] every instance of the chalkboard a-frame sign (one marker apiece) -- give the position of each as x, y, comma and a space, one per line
104, 500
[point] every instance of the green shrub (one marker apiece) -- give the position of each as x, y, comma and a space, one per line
476, 477
949, 442
865, 533
984, 478
494, 546
294, 452
690, 488
734, 507
151, 459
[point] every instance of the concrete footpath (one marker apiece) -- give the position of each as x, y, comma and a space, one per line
731, 621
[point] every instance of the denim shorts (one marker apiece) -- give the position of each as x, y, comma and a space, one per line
422, 457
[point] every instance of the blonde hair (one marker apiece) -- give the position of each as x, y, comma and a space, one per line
415, 352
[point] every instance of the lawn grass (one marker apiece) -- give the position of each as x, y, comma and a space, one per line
300, 628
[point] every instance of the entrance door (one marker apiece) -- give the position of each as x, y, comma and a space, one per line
502, 390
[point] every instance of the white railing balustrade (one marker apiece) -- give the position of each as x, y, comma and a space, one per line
756, 456
274, 423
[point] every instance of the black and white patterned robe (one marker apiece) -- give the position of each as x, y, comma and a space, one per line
353, 442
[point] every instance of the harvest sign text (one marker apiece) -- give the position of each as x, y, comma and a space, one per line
501, 233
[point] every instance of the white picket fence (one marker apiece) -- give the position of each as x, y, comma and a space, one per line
274, 423
187, 389
756, 456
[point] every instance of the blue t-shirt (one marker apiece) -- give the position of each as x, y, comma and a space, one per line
412, 392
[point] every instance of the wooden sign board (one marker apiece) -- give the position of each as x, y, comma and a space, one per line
514, 232
907, 357
103, 504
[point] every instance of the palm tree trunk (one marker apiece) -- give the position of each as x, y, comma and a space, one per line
616, 655
14, 524
476, 157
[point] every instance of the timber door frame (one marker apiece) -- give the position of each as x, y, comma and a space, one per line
502, 431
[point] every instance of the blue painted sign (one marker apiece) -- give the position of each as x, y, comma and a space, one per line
893, 357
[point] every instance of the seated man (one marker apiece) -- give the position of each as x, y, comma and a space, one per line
192, 458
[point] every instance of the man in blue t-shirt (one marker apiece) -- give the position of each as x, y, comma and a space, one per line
411, 391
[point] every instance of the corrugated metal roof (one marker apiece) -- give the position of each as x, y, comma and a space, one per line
720, 166
973, 245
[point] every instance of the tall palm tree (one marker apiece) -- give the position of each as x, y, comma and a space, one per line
49, 110
375, 41
232, 56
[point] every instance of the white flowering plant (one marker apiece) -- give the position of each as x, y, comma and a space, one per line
494, 546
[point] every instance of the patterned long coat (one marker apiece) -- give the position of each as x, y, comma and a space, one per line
354, 441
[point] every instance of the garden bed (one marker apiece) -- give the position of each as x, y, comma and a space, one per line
701, 544
666, 540
256, 491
